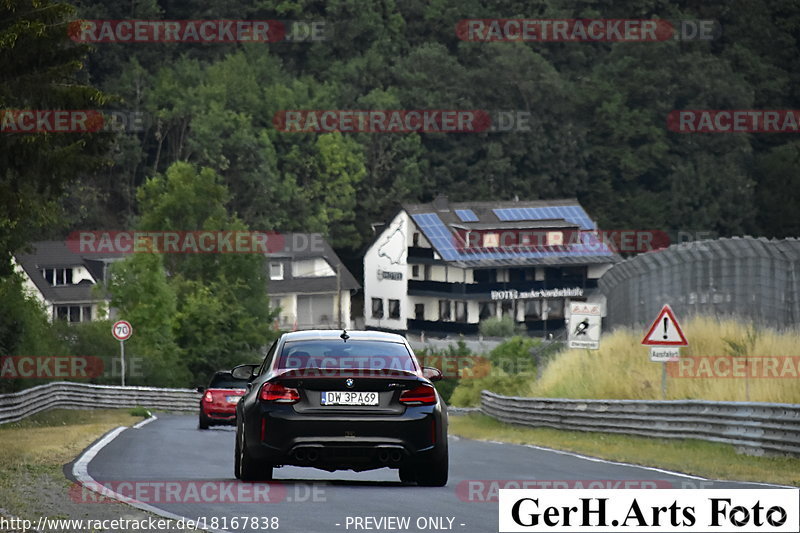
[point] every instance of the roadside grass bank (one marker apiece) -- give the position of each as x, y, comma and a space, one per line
705, 459
621, 367
32, 482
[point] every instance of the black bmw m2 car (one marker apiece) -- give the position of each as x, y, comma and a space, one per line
339, 400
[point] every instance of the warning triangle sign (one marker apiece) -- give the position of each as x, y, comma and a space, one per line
665, 330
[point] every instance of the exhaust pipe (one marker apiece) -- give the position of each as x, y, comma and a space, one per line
396, 456
383, 456
312, 456
300, 455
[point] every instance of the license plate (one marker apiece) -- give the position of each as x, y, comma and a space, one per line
233, 399
349, 398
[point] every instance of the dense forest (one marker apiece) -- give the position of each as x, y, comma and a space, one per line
597, 127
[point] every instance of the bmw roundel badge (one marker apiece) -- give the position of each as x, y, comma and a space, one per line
349, 383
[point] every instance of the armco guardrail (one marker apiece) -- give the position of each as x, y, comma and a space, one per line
753, 428
70, 395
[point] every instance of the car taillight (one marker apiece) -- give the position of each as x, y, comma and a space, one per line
421, 395
208, 397
275, 392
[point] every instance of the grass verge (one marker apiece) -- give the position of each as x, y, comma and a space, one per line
706, 459
621, 368
35, 450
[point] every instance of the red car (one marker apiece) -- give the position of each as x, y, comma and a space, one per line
218, 405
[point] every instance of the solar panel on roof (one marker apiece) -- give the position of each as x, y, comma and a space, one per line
571, 213
466, 215
444, 241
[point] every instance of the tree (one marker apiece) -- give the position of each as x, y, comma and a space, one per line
222, 315
39, 70
144, 297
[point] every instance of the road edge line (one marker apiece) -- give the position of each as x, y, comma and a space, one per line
80, 469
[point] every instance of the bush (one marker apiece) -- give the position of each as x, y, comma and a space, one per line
428, 357
514, 355
468, 392
140, 411
511, 372
498, 327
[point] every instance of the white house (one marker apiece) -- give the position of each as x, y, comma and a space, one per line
310, 285
63, 281
307, 281
443, 267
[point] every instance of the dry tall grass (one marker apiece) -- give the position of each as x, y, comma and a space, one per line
621, 368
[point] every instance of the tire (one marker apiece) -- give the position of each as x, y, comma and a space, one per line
248, 468
434, 473
407, 474
203, 423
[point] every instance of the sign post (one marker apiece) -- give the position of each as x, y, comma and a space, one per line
122, 331
584, 325
665, 337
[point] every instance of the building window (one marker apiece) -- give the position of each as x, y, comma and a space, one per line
487, 310
415, 239
276, 271
415, 271
491, 240
74, 313
461, 311
419, 311
533, 309
427, 272
555, 238
488, 275
444, 309
377, 308
509, 309
555, 308
394, 308
58, 276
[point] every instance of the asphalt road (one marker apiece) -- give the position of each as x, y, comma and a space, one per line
172, 449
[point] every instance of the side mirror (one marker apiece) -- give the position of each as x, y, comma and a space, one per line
433, 374
201, 390
243, 371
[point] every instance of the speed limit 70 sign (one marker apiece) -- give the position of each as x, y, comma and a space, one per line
122, 330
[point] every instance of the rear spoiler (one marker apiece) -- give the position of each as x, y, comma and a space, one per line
345, 372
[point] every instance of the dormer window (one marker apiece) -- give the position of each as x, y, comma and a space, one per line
276, 271
491, 240
57, 276
555, 238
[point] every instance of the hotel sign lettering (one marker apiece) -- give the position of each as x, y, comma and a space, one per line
513, 294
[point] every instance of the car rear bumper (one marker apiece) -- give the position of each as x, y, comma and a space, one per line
219, 414
334, 442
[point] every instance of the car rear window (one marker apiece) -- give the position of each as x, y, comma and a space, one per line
226, 381
363, 355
